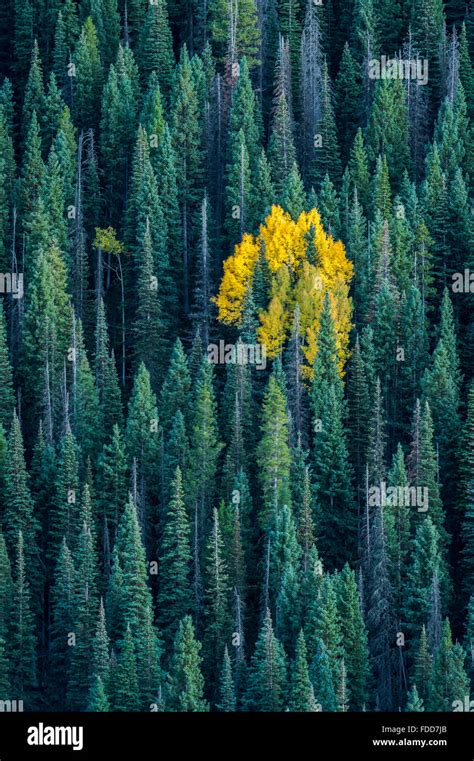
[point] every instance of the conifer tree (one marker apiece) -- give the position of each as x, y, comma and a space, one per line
227, 701
6, 379
5, 688
267, 672
205, 448
414, 702
426, 562
142, 438
449, 680
126, 685
98, 701
22, 639
234, 30
466, 468
273, 451
301, 698
88, 77
337, 521
63, 605
85, 615
19, 512
348, 101
100, 648
354, 638
155, 52
322, 678
186, 137
148, 344
186, 683
281, 148
6, 589
175, 596
423, 665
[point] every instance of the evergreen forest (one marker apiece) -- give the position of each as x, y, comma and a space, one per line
237, 355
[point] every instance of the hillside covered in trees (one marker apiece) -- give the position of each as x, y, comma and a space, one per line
237, 355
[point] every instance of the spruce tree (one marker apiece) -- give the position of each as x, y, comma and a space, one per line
227, 700
273, 451
301, 699
22, 638
175, 595
267, 672
155, 51
186, 683
98, 701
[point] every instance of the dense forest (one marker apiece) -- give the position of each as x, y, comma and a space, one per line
237, 355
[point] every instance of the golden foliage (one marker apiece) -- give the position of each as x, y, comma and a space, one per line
305, 263
238, 271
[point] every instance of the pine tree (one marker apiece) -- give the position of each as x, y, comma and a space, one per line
88, 77
34, 97
380, 619
6, 381
322, 678
227, 700
267, 672
273, 451
336, 517
449, 680
359, 170
426, 562
354, 638
186, 683
423, 468
234, 30
186, 137
204, 450
81, 674
327, 155
359, 413
100, 648
126, 685
156, 46
19, 512
22, 638
6, 589
23, 37
414, 702
148, 344
281, 148
63, 605
104, 14
98, 701
383, 135
176, 387
397, 520
65, 518
301, 698
143, 443
175, 595
466, 468
216, 610
348, 101
5, 688
423, 665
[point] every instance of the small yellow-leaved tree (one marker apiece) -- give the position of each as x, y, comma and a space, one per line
304, 263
